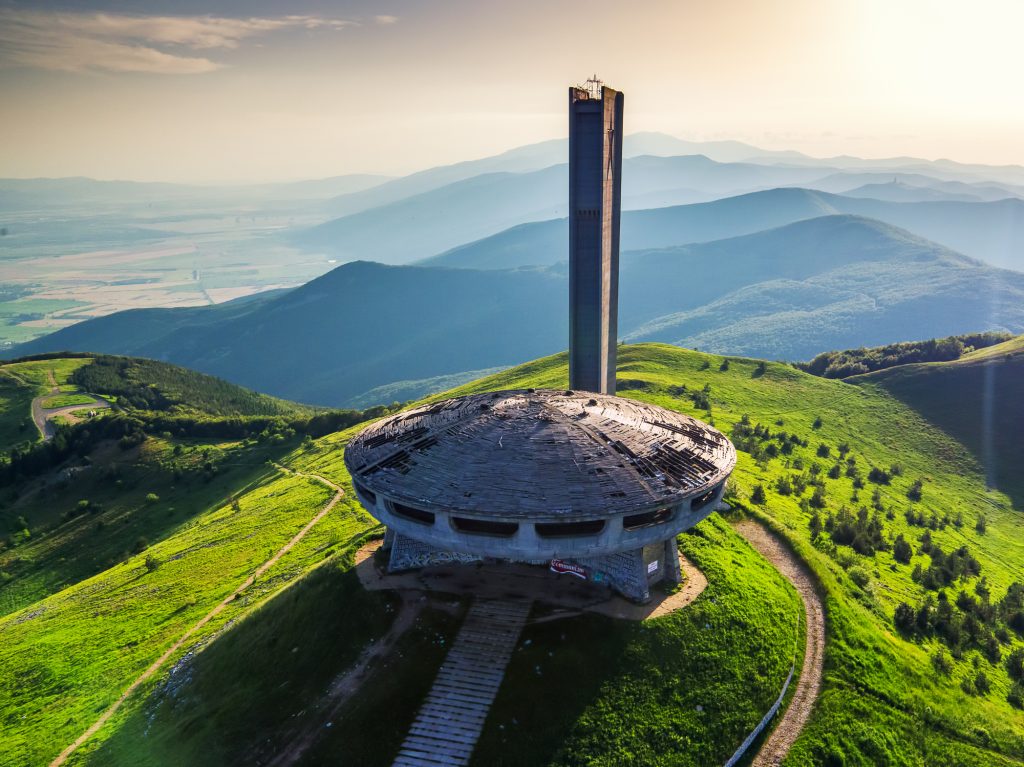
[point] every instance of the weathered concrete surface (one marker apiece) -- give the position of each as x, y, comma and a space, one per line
595, 184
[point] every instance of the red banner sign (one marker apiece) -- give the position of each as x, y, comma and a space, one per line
560, 566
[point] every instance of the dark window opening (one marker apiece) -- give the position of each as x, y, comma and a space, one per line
701, 501
484, 526
415, 515
565, 529
648, 518
366, 495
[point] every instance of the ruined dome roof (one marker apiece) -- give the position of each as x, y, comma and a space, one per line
539, 454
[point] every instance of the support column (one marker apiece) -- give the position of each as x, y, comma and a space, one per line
673, 571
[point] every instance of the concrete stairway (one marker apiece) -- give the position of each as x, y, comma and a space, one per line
449, 723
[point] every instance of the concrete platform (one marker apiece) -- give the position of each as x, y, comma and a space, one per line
567, 594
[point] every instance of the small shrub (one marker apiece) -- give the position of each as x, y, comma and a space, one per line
860, 576
152, 498
1015, 664
1016, 695
905, 619
902, 551
758, 496
818, 423
152, 563
941, 662
879, 476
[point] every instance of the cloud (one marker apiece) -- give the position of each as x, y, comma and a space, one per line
123, 43
385, 19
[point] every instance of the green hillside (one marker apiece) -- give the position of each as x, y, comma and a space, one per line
977, 400
103, 490
884, 700
851, 362
681, 691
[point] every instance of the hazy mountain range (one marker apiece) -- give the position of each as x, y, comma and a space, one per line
787, 292
991, 231
726, 247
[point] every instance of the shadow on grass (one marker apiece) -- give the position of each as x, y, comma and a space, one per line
979, 405
557, 671
238, 699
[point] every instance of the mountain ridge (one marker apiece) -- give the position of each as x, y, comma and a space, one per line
302, 344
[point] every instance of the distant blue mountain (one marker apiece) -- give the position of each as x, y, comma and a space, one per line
424, 224
790, 292
992, 231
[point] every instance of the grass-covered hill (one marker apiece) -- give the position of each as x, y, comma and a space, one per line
150, 385
111, 484
992, 231
850, 362
786, 293
978, 399
885, 506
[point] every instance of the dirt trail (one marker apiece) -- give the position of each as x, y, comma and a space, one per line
43, 417
345, 685
155, 666
789, 727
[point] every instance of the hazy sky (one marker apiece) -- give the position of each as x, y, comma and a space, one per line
233, 91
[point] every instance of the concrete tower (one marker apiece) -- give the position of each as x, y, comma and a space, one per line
595, 192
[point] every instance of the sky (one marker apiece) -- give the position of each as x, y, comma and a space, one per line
226, 92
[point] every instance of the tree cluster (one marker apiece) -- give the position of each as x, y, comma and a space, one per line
851, 362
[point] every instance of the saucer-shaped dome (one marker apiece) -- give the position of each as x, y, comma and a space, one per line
539, 454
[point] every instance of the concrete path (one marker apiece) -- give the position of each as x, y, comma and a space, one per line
789, 727
451, 719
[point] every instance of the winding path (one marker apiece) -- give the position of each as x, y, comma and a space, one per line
43, 417
789, 727
155, 666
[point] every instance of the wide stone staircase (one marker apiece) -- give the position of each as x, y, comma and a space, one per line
449, 723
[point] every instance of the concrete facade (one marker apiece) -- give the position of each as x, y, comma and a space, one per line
444, 541
595, 192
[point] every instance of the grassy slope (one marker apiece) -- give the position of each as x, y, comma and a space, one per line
67, 543
682, 690
232, 699
84, 616
65, 658
977, 400
882, 702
